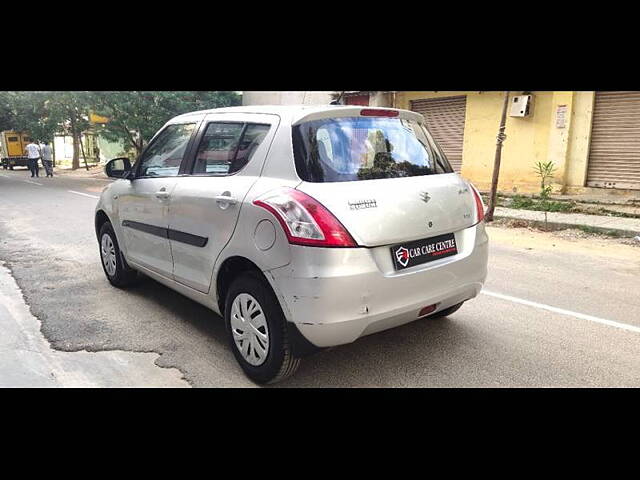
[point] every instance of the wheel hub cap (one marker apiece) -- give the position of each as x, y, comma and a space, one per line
249, 329
108, 252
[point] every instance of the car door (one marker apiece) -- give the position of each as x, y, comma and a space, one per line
227, 160
144, 203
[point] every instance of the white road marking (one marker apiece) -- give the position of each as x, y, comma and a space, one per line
3, 176
83, 194
582, 316
33, 183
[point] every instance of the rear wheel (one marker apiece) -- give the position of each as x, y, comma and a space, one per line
115, 267
447, 311
257, 330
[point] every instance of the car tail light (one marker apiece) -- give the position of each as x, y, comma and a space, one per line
375, 112
305, 220
479, 204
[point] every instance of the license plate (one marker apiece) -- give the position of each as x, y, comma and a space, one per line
410, 254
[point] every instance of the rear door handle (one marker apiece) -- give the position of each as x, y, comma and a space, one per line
162, 194
224, 201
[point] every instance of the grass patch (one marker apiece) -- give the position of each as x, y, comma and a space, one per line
521, 202
527, 203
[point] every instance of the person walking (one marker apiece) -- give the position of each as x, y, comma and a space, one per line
47, 159
33, 155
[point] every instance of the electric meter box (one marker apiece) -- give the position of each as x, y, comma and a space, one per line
521, 106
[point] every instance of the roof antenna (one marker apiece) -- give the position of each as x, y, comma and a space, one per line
337, 101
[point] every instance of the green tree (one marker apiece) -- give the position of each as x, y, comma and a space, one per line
134, 117
546, 171
7, 115
69, 111
43, 114
30, 115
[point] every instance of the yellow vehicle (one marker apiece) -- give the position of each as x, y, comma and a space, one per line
12, 148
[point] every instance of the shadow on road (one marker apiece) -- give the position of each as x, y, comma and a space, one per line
424, 349
184, 309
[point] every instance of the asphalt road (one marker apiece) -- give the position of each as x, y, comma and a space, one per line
556, 311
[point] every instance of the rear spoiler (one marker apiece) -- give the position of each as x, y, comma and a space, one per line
352, 111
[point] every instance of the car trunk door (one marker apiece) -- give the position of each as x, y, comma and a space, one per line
389, 211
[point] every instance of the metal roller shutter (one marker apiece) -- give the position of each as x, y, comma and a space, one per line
445, 120
614, 156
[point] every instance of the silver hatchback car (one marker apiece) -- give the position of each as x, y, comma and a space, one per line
304, 227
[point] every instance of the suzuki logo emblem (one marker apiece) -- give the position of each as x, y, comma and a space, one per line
424, 196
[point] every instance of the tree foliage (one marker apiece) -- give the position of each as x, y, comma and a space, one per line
546, 171
134, 117
7, 116
45, 114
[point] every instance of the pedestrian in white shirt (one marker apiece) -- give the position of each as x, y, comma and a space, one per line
47, 159
33, 155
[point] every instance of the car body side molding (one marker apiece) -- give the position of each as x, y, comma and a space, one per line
182, 237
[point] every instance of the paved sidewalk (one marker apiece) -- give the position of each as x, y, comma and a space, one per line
628, 227
27, 359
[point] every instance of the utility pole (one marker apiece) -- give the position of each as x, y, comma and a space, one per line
496, 163
339, 99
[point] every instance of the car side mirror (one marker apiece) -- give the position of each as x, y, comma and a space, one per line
118, 168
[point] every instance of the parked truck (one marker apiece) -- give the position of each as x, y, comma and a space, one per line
12, 148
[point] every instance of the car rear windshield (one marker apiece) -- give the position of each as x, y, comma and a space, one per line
365, 148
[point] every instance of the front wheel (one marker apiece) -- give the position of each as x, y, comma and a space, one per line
257, 330
115, 267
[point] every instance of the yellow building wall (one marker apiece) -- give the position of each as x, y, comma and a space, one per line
580, 139
529, 139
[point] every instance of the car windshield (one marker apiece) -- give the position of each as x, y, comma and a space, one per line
364, 148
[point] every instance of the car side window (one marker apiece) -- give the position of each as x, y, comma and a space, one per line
164, 155
226, 148
253, 136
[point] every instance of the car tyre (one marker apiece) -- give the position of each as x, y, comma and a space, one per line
447, 311
248, 295
113, 263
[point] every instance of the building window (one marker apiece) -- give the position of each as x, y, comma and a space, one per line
357, 100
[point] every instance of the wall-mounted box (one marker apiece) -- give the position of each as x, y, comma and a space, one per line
521, 106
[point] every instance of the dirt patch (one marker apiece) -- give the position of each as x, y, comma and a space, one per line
96, 171
517, 233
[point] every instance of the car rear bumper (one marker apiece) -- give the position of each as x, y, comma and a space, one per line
334, 296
